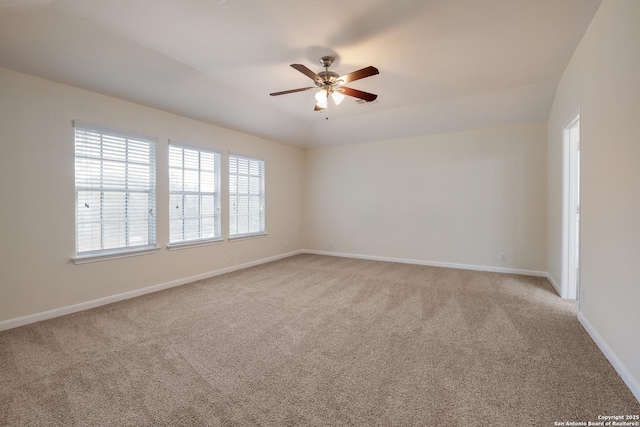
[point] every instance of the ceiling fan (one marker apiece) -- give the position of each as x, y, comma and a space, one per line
332, 84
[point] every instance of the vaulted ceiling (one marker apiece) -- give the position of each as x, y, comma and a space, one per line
445, 65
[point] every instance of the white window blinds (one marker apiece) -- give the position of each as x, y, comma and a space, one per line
115, 181
246, 196
194, 187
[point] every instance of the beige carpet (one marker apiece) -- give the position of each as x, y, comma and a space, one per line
318, 341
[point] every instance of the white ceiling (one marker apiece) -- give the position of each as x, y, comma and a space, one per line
445, 65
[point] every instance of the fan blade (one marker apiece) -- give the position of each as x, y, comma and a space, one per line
358, 93
316, 108
360, 74
307, 72
284, 92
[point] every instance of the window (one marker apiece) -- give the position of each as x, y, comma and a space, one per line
246, 196
194, 193
115, 180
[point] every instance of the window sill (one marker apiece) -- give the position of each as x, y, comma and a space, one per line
85, 259
193, 244
246, 236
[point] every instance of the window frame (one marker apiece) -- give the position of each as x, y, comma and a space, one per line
262, 197
108, 135
217, 207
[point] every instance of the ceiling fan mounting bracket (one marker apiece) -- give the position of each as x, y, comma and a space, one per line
326, 61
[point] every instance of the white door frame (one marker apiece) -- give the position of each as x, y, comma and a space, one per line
571, 206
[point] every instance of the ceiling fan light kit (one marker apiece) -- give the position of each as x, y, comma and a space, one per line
332, 84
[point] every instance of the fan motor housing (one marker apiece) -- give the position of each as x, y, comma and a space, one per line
328, 77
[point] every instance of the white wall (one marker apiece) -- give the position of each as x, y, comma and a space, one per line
603, 77
37, 198
459, 197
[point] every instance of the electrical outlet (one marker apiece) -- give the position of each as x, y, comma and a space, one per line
232, 255
330, 244
503, 256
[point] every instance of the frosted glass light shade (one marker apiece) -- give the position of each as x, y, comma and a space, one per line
337, 97
321, 97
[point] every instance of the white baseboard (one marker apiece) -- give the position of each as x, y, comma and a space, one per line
62, 311
624, 373
554, 284
434, 263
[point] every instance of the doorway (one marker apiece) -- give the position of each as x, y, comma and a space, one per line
571, 141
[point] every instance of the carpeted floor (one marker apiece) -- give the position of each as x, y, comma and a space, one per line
318, 341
